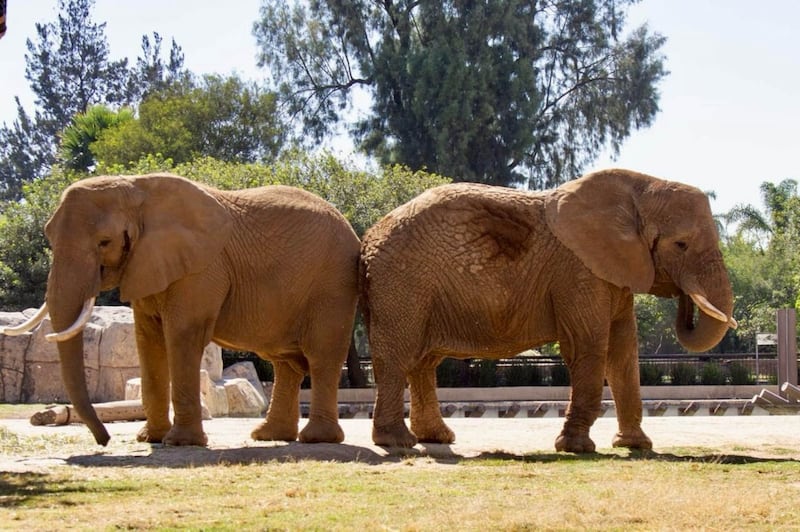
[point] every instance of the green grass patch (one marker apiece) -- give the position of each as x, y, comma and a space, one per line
637, 491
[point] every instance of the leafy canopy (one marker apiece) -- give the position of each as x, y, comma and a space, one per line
69, 69
362, 196
503, 92
224, 118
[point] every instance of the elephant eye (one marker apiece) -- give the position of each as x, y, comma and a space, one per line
683, 246
104, 243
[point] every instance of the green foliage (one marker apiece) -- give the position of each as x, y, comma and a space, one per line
650, 374
682, 374
655, 318
763, 258
712, 374
452, 373
486, 373
69, 69
361, 195
559, 375
224, 118
85, 129
24, 253
522, 374
497, 92
740, 374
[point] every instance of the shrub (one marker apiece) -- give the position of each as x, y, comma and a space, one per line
683, 374
559, 375
522, 374
740, 374
650, 374
452, 373
486, 373
712, 374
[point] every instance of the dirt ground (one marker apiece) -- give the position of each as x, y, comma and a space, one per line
229, 442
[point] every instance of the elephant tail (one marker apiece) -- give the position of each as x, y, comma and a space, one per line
363, 291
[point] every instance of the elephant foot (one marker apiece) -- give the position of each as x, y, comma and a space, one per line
393, 436
321, 431
151, 434
182, 435
437, 433
271, 431
574, 443
634, 439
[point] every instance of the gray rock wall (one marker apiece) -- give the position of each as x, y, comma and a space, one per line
30, 371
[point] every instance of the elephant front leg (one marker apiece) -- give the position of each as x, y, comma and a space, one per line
155, 378
185, 353
586, 376
284, 405
426, 417
623, 378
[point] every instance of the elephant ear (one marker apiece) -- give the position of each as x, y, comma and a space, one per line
597, 218
182, 228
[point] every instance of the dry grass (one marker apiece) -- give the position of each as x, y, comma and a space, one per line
143, 487
688, 489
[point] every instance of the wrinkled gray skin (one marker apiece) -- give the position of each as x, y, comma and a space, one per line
271, 270
468, 270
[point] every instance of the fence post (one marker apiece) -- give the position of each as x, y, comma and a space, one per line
787, 346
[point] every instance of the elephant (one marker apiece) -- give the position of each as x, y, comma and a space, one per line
272, 270
468, 270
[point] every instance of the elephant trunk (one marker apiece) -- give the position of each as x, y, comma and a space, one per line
66, 296
714, 316
72, 372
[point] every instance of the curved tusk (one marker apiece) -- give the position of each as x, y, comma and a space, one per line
76, 327
28, 324
706, 306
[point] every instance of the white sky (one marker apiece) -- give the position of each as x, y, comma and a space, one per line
730, 112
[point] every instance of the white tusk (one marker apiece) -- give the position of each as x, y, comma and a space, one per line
76, 327
706, 306
28, 324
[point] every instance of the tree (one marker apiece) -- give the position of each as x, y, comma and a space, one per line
84, 130
361, 195
69, 69
763, 258
502, 92
224, 118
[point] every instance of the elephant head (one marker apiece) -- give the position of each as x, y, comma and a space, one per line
140, 233
652, 236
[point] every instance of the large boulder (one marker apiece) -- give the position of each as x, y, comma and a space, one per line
31, 371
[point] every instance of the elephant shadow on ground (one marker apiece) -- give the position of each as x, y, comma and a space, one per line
185, 457
192, 456
701, 455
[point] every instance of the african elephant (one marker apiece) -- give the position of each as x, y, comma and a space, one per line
467, 270
273, 270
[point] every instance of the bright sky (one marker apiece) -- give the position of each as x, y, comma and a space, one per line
730, 114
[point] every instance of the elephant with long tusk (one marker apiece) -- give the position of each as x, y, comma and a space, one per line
272, 270
468, 270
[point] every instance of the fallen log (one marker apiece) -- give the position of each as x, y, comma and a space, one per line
107, 412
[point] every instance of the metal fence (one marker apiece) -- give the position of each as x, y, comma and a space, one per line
655, 370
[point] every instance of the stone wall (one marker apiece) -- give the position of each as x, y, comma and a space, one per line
30, 370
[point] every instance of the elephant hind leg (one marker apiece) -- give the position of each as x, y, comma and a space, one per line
426, 417
586, 370
284, 405
323, 418
388, 424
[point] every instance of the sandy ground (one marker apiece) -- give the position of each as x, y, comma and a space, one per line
229, 442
